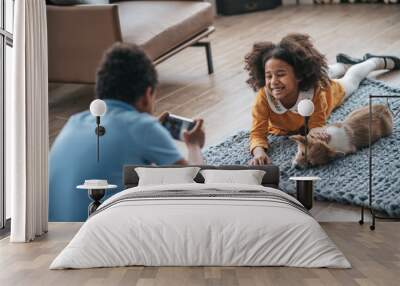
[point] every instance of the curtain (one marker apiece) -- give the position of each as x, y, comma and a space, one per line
27, 123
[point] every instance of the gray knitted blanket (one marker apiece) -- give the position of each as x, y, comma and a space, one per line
344, 180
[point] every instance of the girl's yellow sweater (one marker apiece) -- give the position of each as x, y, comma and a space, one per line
266, 121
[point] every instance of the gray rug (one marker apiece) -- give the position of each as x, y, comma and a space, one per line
344, 180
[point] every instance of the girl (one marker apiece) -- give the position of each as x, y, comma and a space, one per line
292, 70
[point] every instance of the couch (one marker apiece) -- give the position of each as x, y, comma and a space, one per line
78, 35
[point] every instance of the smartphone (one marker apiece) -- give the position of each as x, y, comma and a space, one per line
176, 125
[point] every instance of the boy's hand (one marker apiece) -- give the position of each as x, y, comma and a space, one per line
163, 116
196, 136
260, 157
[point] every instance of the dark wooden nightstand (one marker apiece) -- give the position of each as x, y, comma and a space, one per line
304, 190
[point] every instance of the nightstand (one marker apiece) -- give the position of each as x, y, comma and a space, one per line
304, 190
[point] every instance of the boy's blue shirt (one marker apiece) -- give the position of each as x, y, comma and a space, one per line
131, 138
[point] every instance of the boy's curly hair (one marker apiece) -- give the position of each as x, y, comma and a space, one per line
125, 73
297, 50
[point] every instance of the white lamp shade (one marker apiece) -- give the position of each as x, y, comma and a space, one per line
305, 107
98, 107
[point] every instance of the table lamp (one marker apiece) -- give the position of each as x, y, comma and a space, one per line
305, 108
98, 108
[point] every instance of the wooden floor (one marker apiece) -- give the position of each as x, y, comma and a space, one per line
375, 259
224, 101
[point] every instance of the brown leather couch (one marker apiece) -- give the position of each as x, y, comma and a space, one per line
78, 35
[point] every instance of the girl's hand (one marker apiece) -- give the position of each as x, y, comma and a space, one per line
260, 157
321, 134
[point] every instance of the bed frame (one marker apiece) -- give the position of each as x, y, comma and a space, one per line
270, 179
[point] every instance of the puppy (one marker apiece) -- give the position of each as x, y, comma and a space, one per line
344, 137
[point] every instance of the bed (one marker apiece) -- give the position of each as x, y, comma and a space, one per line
201, 224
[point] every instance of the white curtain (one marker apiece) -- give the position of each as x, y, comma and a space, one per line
27, 123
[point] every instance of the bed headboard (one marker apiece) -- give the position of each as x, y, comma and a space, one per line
270, 179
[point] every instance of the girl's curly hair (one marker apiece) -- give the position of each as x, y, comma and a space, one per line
297, 50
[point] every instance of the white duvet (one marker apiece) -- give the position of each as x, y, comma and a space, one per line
200, 231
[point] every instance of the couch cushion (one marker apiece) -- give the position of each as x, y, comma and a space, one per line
159, 26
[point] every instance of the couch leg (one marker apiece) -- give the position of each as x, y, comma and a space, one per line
207, 46
209, 58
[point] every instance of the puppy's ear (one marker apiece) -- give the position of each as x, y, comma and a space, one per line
298, 138
331, 152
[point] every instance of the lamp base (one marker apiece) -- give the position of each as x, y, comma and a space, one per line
96, 195
100, 130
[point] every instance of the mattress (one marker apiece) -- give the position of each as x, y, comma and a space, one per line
201, 225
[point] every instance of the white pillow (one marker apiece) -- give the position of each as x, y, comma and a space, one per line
248, 177
164, 176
